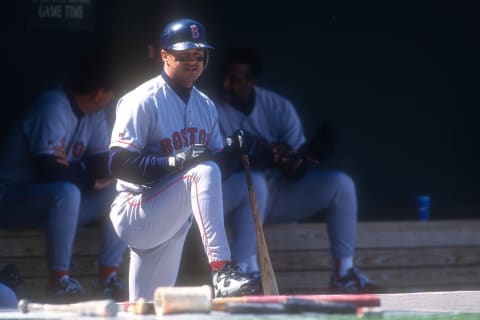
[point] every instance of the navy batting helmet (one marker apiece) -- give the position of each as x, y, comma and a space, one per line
184, 34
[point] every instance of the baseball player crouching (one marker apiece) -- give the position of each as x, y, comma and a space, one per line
164, 150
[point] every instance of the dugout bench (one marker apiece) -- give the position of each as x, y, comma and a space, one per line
400, 256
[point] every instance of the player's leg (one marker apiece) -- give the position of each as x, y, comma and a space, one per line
150, 219
96, 207
334, 194
158, 266
207, 205
54, 206
147, 220
155, 224
329, 192
239, 215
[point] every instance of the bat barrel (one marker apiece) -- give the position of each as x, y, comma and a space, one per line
96, 308
168, 300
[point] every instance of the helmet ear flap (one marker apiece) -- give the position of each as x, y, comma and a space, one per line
206, 58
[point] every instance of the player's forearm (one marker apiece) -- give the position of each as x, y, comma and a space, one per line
97, 165
49, 170
136, 167
228, 162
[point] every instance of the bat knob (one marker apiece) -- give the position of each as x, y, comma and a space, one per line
23, 305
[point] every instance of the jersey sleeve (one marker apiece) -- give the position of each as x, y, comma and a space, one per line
229, 119
46, 126
132, 124
292, 132
100, 137
215, 141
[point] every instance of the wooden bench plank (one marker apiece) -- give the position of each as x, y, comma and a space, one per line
19, 243
379, 258
403, 234
373, 258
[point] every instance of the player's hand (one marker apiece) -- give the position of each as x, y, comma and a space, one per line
240, 141
281, 153
293, 167
195, 154
61, 154
291, 164
101, 184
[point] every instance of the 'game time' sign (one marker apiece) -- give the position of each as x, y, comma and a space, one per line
62, 14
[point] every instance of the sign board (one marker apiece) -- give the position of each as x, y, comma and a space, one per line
62, 14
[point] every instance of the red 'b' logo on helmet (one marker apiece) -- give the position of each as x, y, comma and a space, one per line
194, 29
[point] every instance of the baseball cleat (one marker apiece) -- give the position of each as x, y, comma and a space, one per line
230, 281
66, 289
354, 282
113, 288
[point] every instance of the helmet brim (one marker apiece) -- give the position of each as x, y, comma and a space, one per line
180, 46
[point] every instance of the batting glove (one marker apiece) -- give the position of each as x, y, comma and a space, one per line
195, 154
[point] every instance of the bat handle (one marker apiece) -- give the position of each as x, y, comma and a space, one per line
23, 305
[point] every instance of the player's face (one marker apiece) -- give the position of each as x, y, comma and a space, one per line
98, 100
237, 83
184, 67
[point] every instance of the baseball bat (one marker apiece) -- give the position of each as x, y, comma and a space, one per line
358, 300
195, 299
95, 308
170, 300
141, 306
293, 305
269, 282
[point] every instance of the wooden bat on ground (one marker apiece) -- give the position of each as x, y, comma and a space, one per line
269, 282
94, 308
171, 300
141, 306
293, 305
359, 300
168, 300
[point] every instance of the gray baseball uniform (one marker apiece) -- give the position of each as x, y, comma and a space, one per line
275, 119
61, 206
154, 218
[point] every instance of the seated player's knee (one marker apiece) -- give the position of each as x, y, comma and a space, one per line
66, 191
343, 181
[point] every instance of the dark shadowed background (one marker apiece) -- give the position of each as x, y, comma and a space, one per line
398, 79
